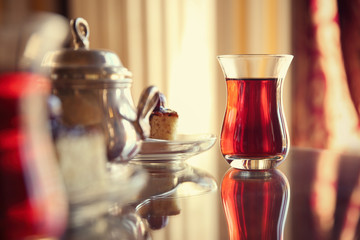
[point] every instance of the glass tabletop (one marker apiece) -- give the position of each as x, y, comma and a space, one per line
314, 194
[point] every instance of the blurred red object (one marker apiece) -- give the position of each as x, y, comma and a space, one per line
32, 198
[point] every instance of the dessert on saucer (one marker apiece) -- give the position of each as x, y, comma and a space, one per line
163, 121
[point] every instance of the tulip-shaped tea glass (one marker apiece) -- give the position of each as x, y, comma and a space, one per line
254, 133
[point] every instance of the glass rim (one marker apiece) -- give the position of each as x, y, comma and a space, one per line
255, 55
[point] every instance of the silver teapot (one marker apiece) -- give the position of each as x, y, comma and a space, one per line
94, 89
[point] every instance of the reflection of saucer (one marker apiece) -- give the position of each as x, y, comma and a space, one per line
183, 147
167, 180
167, 183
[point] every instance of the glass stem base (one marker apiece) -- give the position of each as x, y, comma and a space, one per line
254, 163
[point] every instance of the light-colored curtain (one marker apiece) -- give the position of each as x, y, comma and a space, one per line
173, 45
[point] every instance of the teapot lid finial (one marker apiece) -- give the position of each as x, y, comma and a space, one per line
80, 30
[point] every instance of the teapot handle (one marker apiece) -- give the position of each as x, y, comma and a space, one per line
147, 103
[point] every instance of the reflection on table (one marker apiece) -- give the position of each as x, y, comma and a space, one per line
167, 184
324, 201
182, 202
255, 203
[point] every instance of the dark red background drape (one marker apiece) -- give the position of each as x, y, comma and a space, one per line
326, 74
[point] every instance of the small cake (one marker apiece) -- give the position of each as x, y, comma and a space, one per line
163, 121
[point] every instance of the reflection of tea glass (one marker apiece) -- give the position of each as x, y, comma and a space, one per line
254, 133
255, 203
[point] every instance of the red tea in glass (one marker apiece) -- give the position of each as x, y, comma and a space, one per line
255, 204
254, 132
252, 126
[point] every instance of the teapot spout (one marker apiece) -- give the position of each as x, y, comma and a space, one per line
146, 105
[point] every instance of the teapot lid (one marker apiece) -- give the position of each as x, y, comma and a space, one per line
81, 63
